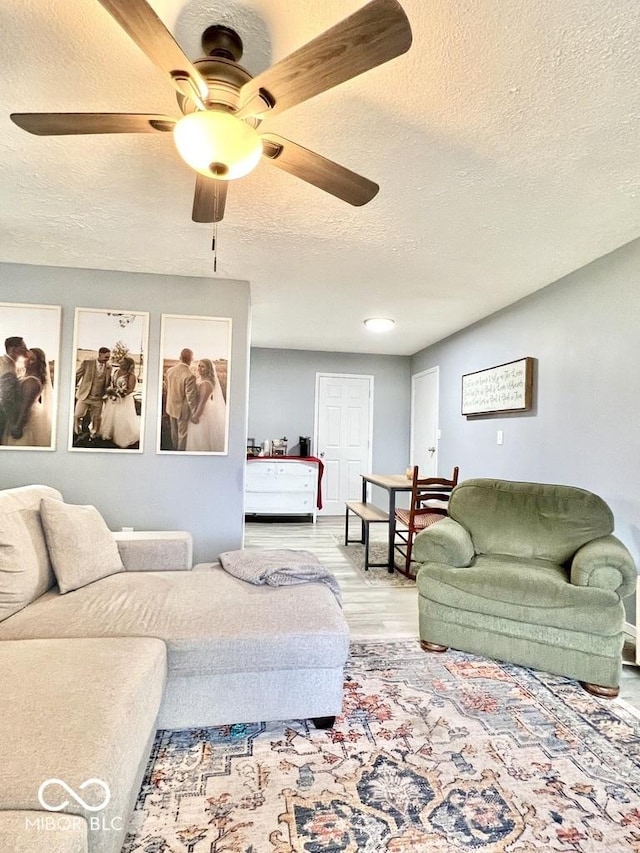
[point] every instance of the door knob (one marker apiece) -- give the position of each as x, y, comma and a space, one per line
431, 449
322, 455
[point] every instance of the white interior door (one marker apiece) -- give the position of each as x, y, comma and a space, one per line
424, 421
344, 408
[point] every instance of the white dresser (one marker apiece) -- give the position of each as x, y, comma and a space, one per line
281, 487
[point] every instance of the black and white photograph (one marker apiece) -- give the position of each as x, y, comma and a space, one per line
30, 340
195, 365
109, 393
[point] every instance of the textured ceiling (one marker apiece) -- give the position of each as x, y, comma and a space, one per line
505, 143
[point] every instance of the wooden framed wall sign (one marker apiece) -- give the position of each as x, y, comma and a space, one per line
501, 389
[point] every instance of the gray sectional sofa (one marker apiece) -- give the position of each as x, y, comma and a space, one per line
87, 676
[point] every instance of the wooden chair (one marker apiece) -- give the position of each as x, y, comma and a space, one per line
429, 499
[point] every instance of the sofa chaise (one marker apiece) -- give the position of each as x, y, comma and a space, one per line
87, 675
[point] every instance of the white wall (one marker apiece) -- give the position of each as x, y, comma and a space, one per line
584, 429
202, 494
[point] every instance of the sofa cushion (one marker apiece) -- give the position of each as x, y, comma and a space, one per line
81, 546
23, 832
78, 710
18, 564
529, 520
210, 621
27, 500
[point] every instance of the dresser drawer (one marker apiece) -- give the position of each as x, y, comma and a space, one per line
283, 483
296, 469
280, 503
270, 470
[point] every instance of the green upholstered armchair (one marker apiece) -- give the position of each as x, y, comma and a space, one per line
527, 573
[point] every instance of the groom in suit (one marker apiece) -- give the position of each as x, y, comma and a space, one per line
182, 399
9, 389
92, 380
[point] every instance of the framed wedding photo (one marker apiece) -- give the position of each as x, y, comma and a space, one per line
108, 400
29, 375
195, 365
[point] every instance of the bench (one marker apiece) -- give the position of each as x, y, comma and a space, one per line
368, 514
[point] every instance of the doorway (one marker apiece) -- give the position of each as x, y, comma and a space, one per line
424, 421
343, 434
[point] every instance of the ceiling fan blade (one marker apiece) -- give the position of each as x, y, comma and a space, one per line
317, 170
371, 36
209, 199
146, 29
65, 124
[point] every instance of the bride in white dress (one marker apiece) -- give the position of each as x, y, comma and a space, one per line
120, 423
206, 431
32, 425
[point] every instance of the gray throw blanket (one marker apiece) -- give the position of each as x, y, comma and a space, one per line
278, 568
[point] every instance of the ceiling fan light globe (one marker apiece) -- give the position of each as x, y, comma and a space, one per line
217, 144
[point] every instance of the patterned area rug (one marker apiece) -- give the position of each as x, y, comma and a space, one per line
434, 753
377, 554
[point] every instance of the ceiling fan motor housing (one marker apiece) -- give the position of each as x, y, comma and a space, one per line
224, 79
220, 70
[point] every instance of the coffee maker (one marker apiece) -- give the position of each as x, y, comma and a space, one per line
305, 445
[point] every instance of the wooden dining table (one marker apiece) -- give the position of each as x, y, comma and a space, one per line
392, 484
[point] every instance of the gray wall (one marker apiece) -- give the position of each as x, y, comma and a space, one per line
202, 494
282, 398
584, 430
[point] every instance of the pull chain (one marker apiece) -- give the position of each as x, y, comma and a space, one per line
214, 247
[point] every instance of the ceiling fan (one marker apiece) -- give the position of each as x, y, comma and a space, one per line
223, 105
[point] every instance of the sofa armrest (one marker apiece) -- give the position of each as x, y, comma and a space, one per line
155, 550
605, 563
445, 542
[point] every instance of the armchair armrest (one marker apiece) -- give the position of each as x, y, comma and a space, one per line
445, 542
604, 563
155, 550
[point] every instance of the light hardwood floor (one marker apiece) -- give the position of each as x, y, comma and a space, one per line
375, 611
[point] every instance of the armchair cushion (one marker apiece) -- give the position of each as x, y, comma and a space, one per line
529, 520
532, 594
605, 563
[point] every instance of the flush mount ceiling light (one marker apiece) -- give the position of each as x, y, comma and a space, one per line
379, 324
